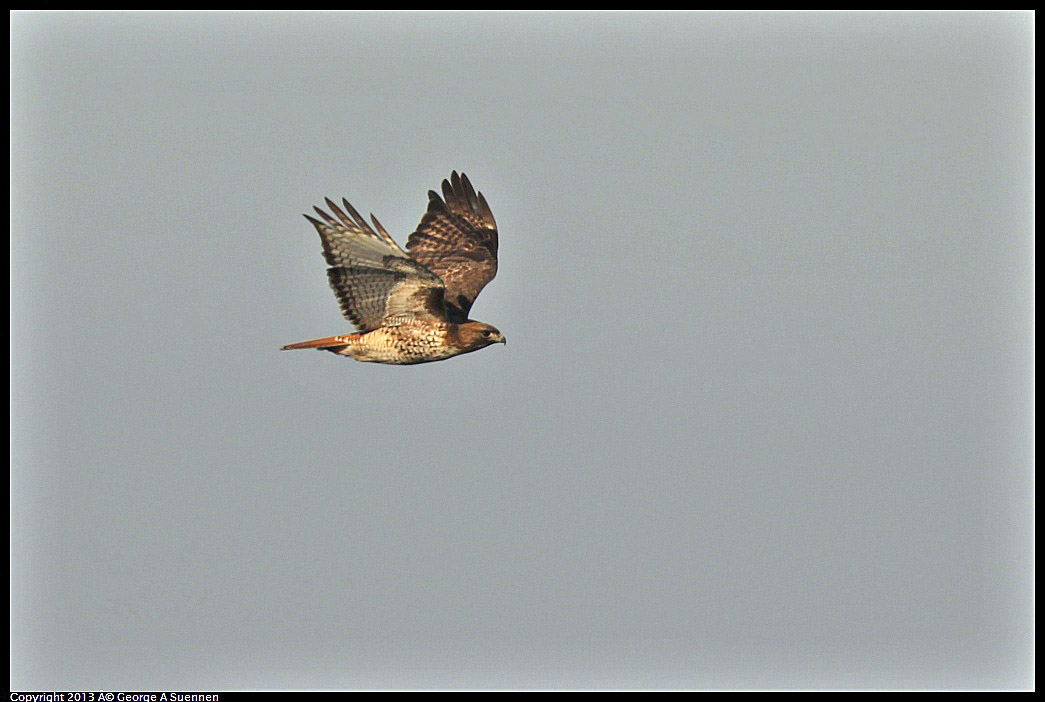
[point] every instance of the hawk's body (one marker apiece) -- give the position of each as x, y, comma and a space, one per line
411, 306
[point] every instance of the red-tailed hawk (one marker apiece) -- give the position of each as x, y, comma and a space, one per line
411, 306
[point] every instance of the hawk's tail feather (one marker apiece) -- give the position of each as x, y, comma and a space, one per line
329, 342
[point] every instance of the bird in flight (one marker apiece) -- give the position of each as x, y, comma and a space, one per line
411, 306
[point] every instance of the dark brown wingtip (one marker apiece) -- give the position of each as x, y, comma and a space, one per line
380, 229
469, 194
466, 185
484, 210
326, 216
461, 197
352, 211
435, 202
332, 206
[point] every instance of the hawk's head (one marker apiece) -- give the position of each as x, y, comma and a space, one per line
475, 335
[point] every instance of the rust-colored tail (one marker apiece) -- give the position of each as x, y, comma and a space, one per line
326, 343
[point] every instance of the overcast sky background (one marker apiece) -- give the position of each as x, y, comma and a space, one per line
764, 418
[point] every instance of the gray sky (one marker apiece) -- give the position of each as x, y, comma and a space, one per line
763, 420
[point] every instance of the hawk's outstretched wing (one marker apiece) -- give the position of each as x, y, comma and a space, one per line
375, 281
457, 240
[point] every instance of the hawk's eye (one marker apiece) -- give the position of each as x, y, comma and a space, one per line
487, 332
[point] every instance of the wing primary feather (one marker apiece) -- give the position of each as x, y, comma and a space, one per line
360, 222
340, 215
469, 193
329, 220
381, 230
486, 212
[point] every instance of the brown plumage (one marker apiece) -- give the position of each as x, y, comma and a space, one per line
411, 306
